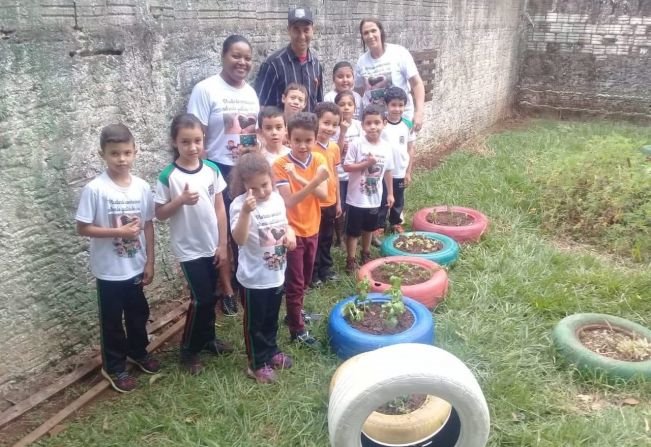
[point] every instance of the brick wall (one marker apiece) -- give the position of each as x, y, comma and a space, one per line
69, 68
590, 57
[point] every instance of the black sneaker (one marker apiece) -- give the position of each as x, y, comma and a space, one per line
218, 347
316, 283
192, 363
148, 364
331, 276
304, 338
122, 382
229, 305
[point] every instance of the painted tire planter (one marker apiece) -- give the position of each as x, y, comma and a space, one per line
404, 429
382, 375
429, 293
347, 341
445, 256
566, 340
465, 233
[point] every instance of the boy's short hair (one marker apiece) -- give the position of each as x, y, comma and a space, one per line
373, 109
321, 108
295, 86
115, 133
270, 112
394, 92
303, 120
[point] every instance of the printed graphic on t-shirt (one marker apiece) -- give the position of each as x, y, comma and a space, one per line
376, 80
121, 213
239, 131
271, 233
371, 177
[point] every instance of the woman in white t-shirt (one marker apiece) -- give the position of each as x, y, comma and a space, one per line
385, 64
228, 107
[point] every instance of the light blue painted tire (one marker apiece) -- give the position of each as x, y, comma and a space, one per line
346, 341
446, 256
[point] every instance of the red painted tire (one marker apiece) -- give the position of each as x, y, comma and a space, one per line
429, 293
466, 233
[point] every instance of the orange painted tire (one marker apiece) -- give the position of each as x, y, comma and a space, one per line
429, 293
466, 233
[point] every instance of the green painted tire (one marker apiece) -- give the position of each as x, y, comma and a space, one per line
566, 340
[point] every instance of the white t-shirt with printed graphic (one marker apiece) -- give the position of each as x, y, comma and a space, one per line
395, 67
354, 132
271, 157
105, 204
193, 228
262, 260
399, 134
331, 95
227, 112
365, 187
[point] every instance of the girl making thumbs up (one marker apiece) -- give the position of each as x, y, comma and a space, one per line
259, 227
189, 193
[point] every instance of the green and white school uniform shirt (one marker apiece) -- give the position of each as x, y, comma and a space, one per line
262, 260
105, 204
365, 187
193, 228
399, 134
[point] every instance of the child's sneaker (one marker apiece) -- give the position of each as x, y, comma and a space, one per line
148, 364
229, 305
365, 257
262, 375
397, 229
304, 338
218, 347
351, 266
281, 361
192, 363
122, 382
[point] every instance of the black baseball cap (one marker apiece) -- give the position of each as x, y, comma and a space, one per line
296, 15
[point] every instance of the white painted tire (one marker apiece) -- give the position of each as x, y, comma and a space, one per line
408, 368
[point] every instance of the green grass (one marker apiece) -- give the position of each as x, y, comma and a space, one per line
506, 295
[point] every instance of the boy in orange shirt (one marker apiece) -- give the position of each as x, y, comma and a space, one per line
329, 117
301, 181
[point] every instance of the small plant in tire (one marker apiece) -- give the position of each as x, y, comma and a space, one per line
390, 311
355, 310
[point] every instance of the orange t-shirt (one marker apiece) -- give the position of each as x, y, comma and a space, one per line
305, 216
333, 157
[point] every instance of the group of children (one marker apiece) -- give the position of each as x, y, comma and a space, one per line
289, 199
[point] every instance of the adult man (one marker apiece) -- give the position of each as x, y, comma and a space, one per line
294, 63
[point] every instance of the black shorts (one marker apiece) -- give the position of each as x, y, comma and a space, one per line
361, 219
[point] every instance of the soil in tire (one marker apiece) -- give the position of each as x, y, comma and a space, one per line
615, 343
411, 274
417, 244
373, 322
450, 218
403, 404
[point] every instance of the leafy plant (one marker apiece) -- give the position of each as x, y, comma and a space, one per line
356, 309
392, 310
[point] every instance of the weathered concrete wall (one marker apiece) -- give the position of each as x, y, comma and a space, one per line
69, 68
586, 56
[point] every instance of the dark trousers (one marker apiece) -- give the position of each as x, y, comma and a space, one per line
200, 319
117, 299
226, 171
261, 308
323, 262
398, 204
300, 264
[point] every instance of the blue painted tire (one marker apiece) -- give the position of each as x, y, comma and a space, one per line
445, 256
347, 341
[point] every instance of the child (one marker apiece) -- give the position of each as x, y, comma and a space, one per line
259, 227
343, 79
294, 100
329, 116
272, 132
368, 161
189, 193
349, 130
116, 211
301, 180
399, 132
